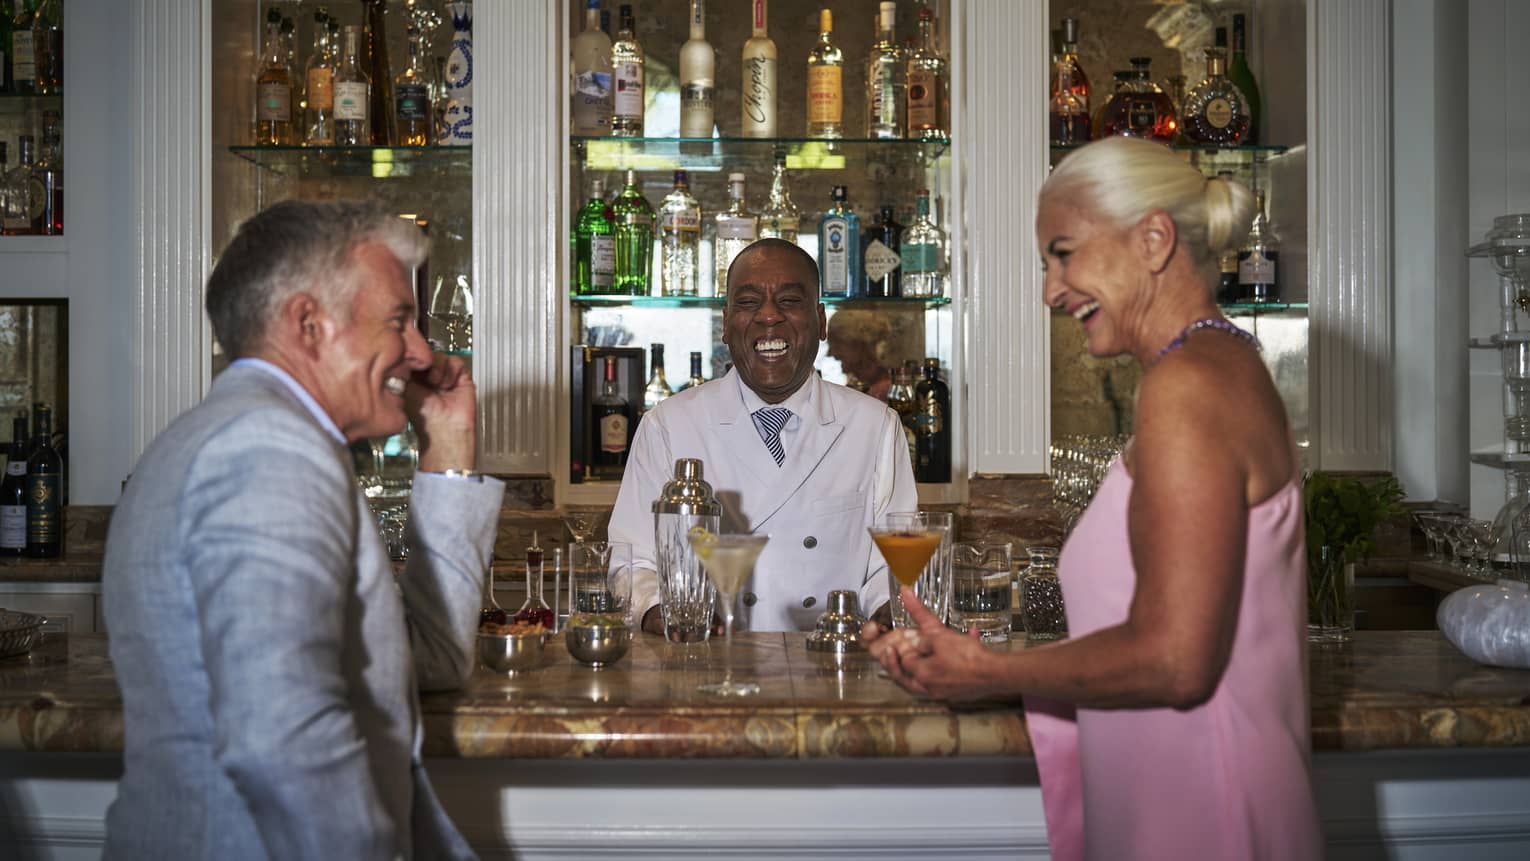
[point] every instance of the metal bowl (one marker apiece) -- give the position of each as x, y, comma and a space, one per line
19, 632
599, 644
510, 653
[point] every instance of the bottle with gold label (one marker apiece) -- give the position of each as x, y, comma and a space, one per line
1215, 112
319, 86
273, 89
826, 83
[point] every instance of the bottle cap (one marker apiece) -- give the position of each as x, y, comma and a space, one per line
1069, 31
735, 177
681, 178
825, 21
597, 187
839, 193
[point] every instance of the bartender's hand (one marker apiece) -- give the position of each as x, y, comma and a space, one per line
442, 404
930, 658
883, 615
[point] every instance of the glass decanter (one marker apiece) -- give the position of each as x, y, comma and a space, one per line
1139, 108
489, 611
535, 610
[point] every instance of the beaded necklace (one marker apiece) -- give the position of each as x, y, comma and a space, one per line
1217, 323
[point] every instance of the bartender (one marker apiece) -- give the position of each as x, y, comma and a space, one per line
808, 462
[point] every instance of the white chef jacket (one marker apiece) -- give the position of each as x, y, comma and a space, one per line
846, 465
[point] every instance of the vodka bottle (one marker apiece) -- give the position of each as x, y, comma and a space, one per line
697, 78
884, 79
826, 83
759, 91
780, 218
627, 63
591, 87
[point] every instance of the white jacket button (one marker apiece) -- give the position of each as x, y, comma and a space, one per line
749, 599
809, 600
810, 542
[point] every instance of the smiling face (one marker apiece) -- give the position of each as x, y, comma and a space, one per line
773, 320
1091, 271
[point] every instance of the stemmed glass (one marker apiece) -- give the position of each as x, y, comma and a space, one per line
451, 306
1429, 524
1484, 538
907, 540
729, 560
583, 524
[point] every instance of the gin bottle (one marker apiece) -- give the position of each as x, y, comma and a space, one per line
924, 254
736, 228
926, 79
759, 96
680, 241
881, 260
780, 218
352, 93
634, 239
839, 248
884, 79
697, 78
594, 245
826, 83
627, 63
273, 89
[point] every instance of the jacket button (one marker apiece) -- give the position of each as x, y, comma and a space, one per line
749, 599
810, 542
809, 601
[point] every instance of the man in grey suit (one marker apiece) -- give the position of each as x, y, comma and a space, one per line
269, 660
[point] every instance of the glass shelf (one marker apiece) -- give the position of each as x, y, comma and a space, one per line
731, 154
21, 103
617, 301
1206, 158
1499, 460
1250, 309
376, 162
1497, 340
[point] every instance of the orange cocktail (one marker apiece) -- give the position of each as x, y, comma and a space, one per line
907, 551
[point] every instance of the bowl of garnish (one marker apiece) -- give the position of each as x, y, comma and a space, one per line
597, 639
511, 648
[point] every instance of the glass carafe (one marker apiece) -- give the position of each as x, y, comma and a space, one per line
535, 610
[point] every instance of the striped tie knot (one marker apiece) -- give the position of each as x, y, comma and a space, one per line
769, 421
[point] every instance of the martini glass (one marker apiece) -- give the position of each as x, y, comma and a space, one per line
583, 524
729, 560
907, 541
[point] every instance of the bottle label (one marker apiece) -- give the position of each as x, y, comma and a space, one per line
411, 102
16, 466
1142, 116
923, 100
836, 256
321, 90
884, 94
736, 228
37, 199
1219, 113
13, 525
696, 112
350, 99
759, 96
1256, 269
23, 56
592, 103
613, 433
880, 260
930, 419
826, 94
602, 260
629, 90
682, 221
920, 258
274, 104
42, 508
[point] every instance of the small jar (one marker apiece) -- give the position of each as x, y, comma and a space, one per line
1041, 597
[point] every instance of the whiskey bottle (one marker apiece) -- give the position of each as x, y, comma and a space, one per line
13, 492
634, 239
594, 245
352, 94
47, 187
45, 487
48, 46
591, 87
839, 248
695, 379
273, 89
826, 83
22, 50
759, 95
697, 78
611, 421
924, 254
780, 219
932, 426
319, 86
884, 79
880, 260
18, 192
734, 228
1258, 259
375, 61
1242, 77
627, 63
926, 79
680, 241
1214, 112
411, 98
658, 388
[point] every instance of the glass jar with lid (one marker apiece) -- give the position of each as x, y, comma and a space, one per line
1041, 596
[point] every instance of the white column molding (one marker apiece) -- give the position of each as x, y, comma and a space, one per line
517, 179
1350, 226
170, 146
1004, 150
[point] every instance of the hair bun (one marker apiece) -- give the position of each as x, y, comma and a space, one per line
1229, 213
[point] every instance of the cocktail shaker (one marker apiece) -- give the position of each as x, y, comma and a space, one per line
686, 596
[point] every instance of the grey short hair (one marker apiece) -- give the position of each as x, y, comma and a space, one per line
293, 247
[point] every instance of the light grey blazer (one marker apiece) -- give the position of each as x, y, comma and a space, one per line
269, 660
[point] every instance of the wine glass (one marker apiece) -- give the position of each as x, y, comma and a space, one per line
907, 540
451, 307
729, 560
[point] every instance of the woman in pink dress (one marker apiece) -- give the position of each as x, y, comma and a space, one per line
1174, 723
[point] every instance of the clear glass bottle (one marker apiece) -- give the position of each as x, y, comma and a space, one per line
1068, 105
1258, 258
680, 241
48, 46
698, 78
1042, 598
839, 247
591, 88
736, 227
1078, 81
1139, 108
826, 83
22, 50
924, 253
1215, 113
884, 79
352, 94
658, 387
489, 611
695, 379
18, 191
273, 89
594, 245
759, 90
1242, 77
47, 189
627, 66
780, 219
928, 115
411, 98
319, 86
634, 239
880, 259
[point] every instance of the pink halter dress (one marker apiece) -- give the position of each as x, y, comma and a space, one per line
1227, 779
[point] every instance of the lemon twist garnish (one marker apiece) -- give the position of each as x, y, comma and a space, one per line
702, 541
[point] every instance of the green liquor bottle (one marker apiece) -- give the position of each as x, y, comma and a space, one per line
634, 239
594, 245
1242, 77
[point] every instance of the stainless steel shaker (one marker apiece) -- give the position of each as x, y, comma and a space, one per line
686, 596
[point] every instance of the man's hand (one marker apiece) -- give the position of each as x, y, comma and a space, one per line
442, 404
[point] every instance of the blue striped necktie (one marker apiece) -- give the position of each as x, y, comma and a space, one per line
769, 422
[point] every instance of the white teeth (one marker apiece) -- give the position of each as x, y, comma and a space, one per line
1085, 310
394, 385
769, 345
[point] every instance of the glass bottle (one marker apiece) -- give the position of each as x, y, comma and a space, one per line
5, 175
926, 79
634, 239
880, 259
1215, 113
900, 397
594, 245
627, 63
924, 253
8, 15
932, 426
839, 247
1258, 258
1042, 603
695, 379
411, 98
1242, 77
535, 610
45, 490
1139, 108
18, 192
780, 219
591, 88
273, 89
319, 86
826, 83
736, 227
1228, 290
48, 46
611, 421
489, 611
680, 241
46, 194
759, 91
289, 44
884, 79
455, 117
352, 94
658, 388
379, 73
13, 492
1068, 112
697, 78
1078, 82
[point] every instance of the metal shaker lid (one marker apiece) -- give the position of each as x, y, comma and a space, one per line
686, 493
839, 628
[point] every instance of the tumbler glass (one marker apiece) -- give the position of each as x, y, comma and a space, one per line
980, 590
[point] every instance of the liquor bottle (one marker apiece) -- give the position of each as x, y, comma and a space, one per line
634, 239
697, 78
289, 42
1228, 289
926, 76
1067, 109
658, 388
680, 241
880, 259
379, 73
22, 49
455, 118
1214, 111
489, 611
7, 84
1077, 82
47, 189
594, 245
780, 219
839, 247
736, 227
1258, 274
826, 83
759, 96
695, 379
13, 492
932, 426
1139, 108
627, 63
534, 609
352, 94
592, 85
319, 86
45, 487
924, 253
884, 79
900, 398
411, 98
611, 421
48, 46
18, 192
1242, 77
273, 89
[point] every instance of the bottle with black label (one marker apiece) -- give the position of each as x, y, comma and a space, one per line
45, 488
932, 426
612, 422
13, 493
880, 259
411, 99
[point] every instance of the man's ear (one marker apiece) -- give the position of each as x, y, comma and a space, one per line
303, 321
1155, 238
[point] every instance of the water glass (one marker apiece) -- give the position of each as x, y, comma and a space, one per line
600, 582
934, 585
1042, 598
980, 590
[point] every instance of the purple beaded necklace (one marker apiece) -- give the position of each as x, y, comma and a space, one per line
1217, 323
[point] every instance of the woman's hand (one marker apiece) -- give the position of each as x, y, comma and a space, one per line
932, 659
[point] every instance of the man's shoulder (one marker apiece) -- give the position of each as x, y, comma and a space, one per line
849, 403
238, 411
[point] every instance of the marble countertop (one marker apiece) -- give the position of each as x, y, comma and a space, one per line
1386, 690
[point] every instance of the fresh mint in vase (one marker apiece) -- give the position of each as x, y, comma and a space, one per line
1342, 513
